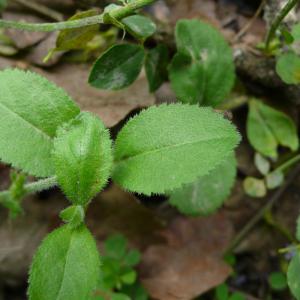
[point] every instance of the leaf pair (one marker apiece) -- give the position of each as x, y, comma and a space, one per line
202, 71
268, 128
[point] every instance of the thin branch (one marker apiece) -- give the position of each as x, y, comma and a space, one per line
251, 21
34, 187
260, 214
42, 9
282, 14
117, 14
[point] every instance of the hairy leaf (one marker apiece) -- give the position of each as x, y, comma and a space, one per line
170, 145
203, 70
156, 66
139, 26
31, 110
66, 266
82, 158
77, 38
74, 215
288, 68
293, 275
209, 192
267, 128
118, 67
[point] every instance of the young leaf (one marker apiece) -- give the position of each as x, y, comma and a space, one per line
170, 145
208, 193
293, 275
66, 266
277, 281
156, 66
139, 26
288, 68
255, 187
267, 128
262, 164
296, 32
77, 38
115, 246
82, 158
222, 292
74, 215
118, 67
203, 70
274, 179
31, 110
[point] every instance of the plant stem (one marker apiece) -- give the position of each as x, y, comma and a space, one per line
282, 14
31, 188
42, 9
261, 212
288, 163
118, 14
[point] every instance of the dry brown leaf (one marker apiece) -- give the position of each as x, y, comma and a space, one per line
191, 262
116, 211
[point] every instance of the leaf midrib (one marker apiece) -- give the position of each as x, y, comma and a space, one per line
26, 121
65, 264
169, 147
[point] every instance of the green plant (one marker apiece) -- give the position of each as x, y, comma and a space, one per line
119, 276
73, 149
222, 293
184, 149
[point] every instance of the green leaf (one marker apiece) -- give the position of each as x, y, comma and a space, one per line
132, 258
293, 275
77, 38
209, 192
262, 164
255, 187
274, 179
156, 63
31, 110
277, 281
73, 214
118, 67
82, 157
268, 128
222, 292
139, 26
288, 68
115, 246
167, 146
237, 296
203, 70
129, 277
298, 228
296, 32
66, 266
3, 4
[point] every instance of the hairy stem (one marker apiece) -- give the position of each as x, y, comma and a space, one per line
118, 14
282, 14
34, 187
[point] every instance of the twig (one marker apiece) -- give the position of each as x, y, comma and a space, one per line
117, 14
282, 14
260, 214
42, 9
31, 188
250, 22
